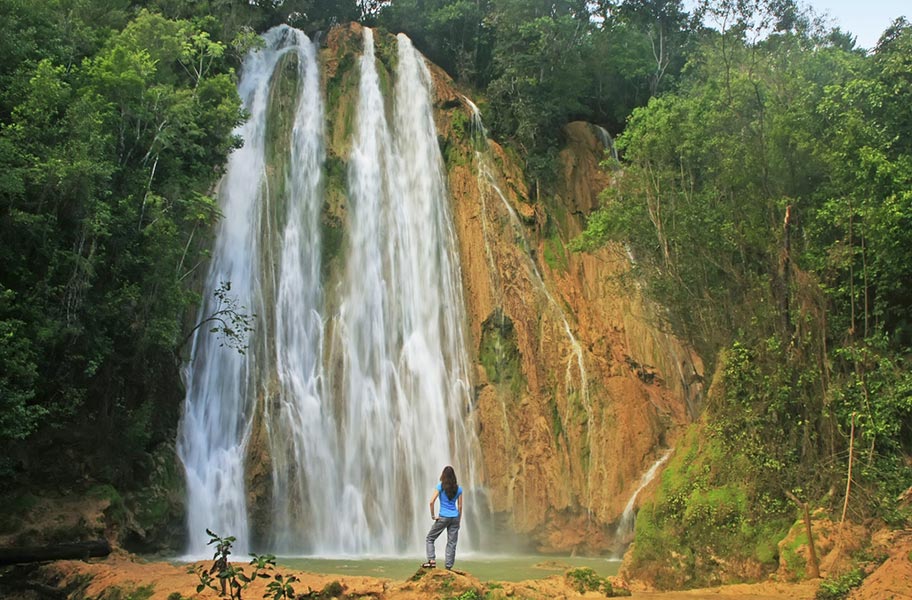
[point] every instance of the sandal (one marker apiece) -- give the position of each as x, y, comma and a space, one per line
431, 564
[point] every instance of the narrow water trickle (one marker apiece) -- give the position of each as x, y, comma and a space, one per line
624, 532
577, 386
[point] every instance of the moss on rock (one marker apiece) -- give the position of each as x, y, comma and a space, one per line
499, 353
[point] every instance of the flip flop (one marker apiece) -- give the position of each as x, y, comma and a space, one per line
429, 565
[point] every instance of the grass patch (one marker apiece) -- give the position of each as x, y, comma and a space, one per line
840, 587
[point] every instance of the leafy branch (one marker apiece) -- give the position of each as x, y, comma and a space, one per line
229, 320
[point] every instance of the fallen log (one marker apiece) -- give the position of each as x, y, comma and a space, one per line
72, 550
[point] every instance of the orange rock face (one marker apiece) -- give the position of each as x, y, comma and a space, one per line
579, 390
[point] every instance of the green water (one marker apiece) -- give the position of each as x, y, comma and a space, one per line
485, 568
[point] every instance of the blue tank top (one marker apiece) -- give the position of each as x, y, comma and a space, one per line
447, 506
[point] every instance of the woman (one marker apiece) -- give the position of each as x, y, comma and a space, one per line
448, 518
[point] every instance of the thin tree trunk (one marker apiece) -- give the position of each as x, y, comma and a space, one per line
845, 504
813, 565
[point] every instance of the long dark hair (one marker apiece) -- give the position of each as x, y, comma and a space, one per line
448, 482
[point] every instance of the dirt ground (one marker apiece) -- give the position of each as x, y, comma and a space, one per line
124, 575
130, 574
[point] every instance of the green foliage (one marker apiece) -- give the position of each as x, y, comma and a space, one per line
19, 416
585, 580
281, 587
705, 507
452, 33
555, 253
230, 580
109, 144
764, 201
838, 588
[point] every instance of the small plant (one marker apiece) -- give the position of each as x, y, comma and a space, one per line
281, 587
840, 587
585, 580
230, 580
228, 319
333, 589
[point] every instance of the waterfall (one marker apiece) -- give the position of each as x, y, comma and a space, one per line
404, 378
353, 398
608, 144
222, 385
624, 532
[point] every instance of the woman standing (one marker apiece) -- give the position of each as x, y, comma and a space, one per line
448, 518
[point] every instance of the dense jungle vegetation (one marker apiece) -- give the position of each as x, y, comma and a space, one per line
765, 193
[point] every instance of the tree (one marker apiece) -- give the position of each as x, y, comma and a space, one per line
107, 163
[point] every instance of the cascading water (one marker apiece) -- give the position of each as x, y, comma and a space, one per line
222, 385
300, 426
362, 407
608, 144
404, 378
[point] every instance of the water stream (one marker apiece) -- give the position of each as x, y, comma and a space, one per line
624, 532
223, 385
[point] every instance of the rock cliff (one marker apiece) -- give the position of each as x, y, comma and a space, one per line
579, 390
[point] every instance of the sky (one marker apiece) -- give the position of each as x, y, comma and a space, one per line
866, 19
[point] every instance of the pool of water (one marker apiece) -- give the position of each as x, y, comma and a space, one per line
485, 568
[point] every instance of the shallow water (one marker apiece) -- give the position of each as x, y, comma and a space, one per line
485, 568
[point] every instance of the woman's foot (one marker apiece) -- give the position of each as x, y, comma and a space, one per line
429, 565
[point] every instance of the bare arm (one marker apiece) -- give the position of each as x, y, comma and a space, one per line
433, 500
459, 505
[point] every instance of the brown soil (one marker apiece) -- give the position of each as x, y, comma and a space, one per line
743, 591
128, 573
893, 578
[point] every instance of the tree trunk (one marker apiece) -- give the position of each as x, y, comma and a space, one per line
813, 565
72, 550
845, 504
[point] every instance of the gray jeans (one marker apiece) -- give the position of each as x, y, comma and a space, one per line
451, 524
